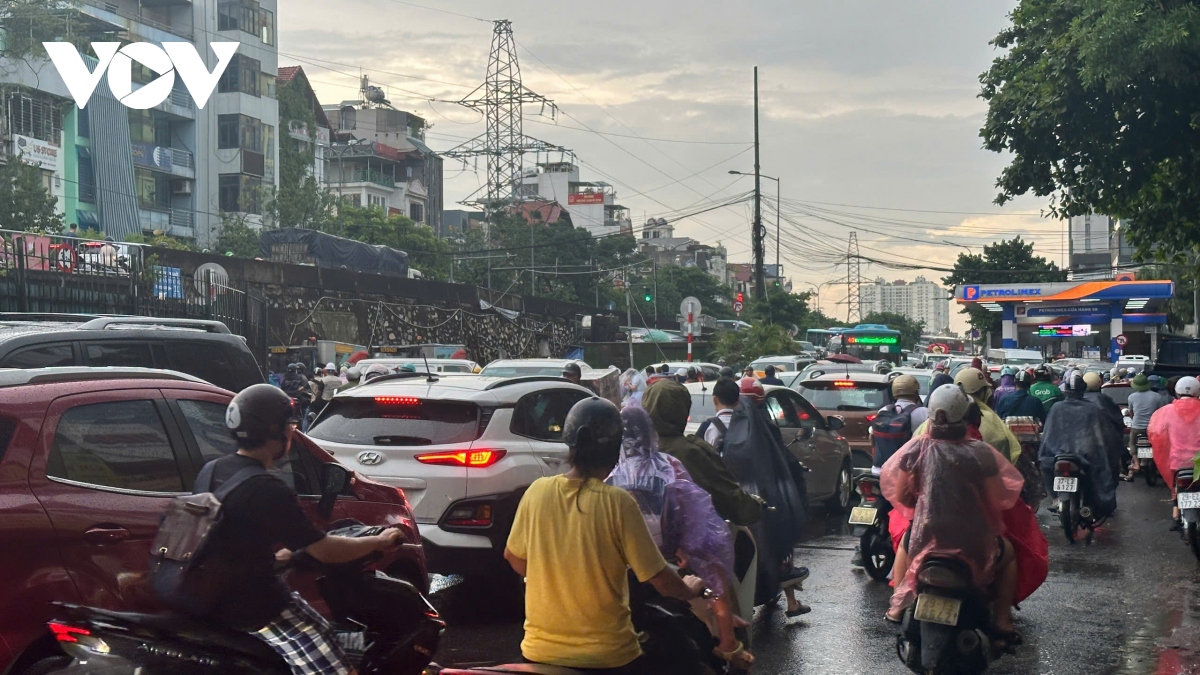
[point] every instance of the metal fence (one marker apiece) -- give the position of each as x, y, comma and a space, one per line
62, 274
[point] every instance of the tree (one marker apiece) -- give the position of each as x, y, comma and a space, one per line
237, 238
789, 310
676, 283
25, 205
26, 24
1097, 103
743, 346
910, 331
299, 201
372, 226
1004, 262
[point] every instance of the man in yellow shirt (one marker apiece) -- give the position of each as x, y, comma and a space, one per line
573, 539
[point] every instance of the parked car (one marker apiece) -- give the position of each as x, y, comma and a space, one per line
856, 398
527, 367
205, 349
711, 371
464, 449
811, 437
424, 365
783, 364
91, 458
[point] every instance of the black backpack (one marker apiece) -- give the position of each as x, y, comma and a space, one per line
182, 576
713, 421
890, 430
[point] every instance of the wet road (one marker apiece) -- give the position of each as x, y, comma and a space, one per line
1129, 604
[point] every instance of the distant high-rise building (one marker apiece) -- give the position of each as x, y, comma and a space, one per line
919, 300
1097, 247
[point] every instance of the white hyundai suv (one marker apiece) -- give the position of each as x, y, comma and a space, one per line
463, 448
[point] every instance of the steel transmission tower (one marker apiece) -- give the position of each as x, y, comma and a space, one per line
501, 99
853, 281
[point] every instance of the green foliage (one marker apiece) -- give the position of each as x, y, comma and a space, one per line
997, 266
910, 331
237, 238
162, 241
299, 201
676, 283
26, 24
789, 310
1097, 103
743, 346
25, 205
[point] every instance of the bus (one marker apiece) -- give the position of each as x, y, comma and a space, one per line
869, 342
820, 337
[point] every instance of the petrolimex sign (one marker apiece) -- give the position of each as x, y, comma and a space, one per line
979, 293
117, 61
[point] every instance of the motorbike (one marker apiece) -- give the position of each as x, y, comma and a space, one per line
1073, 510
1146, 459
1187, 498
946, 631
870, 521
385, 625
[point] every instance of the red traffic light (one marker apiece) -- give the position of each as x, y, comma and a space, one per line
740, 297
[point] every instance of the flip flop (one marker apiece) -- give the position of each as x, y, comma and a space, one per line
739, 659
799, 611
1006, 640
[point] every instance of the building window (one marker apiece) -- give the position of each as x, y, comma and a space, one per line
416, 212
352, 200
84, 122
87, 180
380, 202
243, 75
239, 193
153, 190
145, 127
239, 132
31, 113
247, 16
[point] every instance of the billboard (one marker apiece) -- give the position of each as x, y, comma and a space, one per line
38, 153
586, 198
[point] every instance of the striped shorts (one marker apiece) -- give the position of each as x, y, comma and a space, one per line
305, 641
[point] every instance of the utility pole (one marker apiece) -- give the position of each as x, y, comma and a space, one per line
654, 262
629, 318
760, 282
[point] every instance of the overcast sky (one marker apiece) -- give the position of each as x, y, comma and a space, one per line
863, 104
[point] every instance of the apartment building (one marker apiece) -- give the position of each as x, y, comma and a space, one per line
919, 300
591, 204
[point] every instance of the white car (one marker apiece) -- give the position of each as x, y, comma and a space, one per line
1136, 362
423, 365
524, 367
463, 449
711, 371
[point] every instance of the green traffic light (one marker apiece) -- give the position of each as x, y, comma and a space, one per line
648, 297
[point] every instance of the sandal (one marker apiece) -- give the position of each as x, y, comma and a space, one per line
799, 611
1005, 641
887, 616
739, 659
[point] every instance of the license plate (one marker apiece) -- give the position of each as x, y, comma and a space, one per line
863, 515
1188, 500
1145, 453
936, 609
1066, 484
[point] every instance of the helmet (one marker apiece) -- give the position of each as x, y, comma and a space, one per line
905, 385
373, 371
354, 373
1093, 380
302, 368
293, 367
753, 389
330, 366
1041, 371
972, 380
948, 404
681, 372
1024, 377
1007, 370
883, 367
259, 413
1077, 382
1187, 386
941, 366
593, 425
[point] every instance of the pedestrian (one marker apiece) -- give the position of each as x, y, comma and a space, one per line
572, 372
693, 374
769, 377
650, 372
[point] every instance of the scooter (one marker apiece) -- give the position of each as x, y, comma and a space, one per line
946, 631
1146, 459
386, 626
870, 521
1187, 498
1073, 511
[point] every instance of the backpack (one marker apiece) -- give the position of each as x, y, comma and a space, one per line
183, 579
890, 430
714, 421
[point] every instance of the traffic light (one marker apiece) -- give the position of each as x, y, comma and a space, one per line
740, 297
648, 296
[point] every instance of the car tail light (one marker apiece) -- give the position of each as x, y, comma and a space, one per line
398, 400
843, 384
871, 418
77, 642
1063, 468
472, 459
470, 515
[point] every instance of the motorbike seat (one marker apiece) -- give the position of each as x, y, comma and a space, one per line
942, 570
177, 626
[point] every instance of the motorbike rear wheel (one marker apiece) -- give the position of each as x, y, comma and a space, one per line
1193, 539
1066, 515
1151, 472
877, 554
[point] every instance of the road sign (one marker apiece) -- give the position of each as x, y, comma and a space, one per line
738, 307
689, 304
1122, 340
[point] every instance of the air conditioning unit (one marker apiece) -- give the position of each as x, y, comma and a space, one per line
181, 187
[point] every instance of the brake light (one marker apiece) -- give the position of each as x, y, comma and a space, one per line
1063, 468
843, 384
866, 490
871, 417
471, 459
397, 400
479, 515
64, 633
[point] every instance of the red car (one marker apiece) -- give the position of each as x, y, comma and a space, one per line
89, 460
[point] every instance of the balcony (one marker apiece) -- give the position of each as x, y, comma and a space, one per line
168, 160
367, 176
145, 16
183, 223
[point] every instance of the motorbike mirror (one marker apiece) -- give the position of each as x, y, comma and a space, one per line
836, 422
334, 479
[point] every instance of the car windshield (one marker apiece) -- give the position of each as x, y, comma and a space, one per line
521, 371
1023, 361
845, 396
408, 422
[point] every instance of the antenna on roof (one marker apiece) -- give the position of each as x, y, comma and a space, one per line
428, 372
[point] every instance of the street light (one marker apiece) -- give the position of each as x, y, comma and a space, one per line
778, 199
817, 287
969, 251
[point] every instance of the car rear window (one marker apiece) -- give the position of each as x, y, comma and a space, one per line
836, 396
521, 371
215, 362
364, 421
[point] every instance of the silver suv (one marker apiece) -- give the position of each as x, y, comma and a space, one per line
463, 448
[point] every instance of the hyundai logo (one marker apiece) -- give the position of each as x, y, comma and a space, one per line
370, 458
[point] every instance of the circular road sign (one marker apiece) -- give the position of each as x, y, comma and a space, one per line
737, 306
1122, 340
692, 302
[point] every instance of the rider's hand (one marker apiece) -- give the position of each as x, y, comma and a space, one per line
387, 539
695, 584
283, 555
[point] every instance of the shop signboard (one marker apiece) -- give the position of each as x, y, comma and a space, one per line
586, 198
38, 153
1085, 313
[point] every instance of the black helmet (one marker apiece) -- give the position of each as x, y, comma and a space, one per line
259, 413
1024, 378
593, 426
301, 367
1042, 372
1077, 384
293, 367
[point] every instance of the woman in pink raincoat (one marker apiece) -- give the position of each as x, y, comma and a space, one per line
1174, 433
958, 489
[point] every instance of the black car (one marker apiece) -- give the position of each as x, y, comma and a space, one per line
205, 349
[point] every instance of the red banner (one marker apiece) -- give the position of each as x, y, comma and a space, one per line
586, 198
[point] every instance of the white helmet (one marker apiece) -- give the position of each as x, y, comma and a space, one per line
951, 402
1187, 386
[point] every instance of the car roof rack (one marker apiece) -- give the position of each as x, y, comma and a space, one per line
49, 316
523, 379
15, 377
104, 322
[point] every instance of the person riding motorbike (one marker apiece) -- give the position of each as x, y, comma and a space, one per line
1076, 426
954, 490
1021, 403
1112, 413
995, 432
1175, 434
573, 540
1143, 403
257, 517
1008, 384
295, 385
894, 424
1044, 388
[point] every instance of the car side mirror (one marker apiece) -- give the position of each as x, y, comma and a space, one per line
334, 480
835, 422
